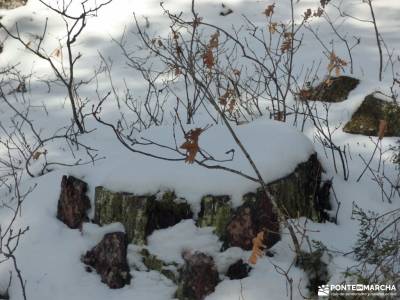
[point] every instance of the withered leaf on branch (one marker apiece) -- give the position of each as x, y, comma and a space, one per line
335, 64
272, 27
214, 40
191, 145
319, 12
324, 2
269, 11
56, 53
208, 58
286, 45
307, 14
228, 99
38, 153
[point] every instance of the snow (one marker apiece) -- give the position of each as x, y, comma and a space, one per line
265, 141
49, 253
169, 244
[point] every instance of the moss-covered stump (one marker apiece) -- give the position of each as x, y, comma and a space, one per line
367, 117
10, 4
140, 215
298, 193
215, 211
333, 89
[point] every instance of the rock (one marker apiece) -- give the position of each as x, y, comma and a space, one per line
198, 277
367, 117
108, 258
153, 263
238, 270
140, 215
334, 89
10, 4
215, 211
73, 202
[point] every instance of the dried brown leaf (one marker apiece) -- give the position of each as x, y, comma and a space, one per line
269, 11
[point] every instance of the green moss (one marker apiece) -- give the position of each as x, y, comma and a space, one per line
216, 211
296, 194
135, 217
108, 206
153, 263
367, 117
140, 215
335, 89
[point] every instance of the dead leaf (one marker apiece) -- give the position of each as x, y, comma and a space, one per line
213, 43
191, 145
38, 153
258, 248
208, 58
269, 11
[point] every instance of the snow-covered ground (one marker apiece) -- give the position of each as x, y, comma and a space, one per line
49, 253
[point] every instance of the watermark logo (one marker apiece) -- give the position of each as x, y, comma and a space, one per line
357, 290
323, 290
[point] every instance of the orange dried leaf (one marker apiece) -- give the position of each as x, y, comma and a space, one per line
258, 248
191, 145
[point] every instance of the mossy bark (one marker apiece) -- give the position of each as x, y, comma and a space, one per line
126, 208
215, 211
140, 215
367, 117
297, 193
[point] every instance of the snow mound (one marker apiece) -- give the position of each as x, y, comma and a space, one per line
275, 147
